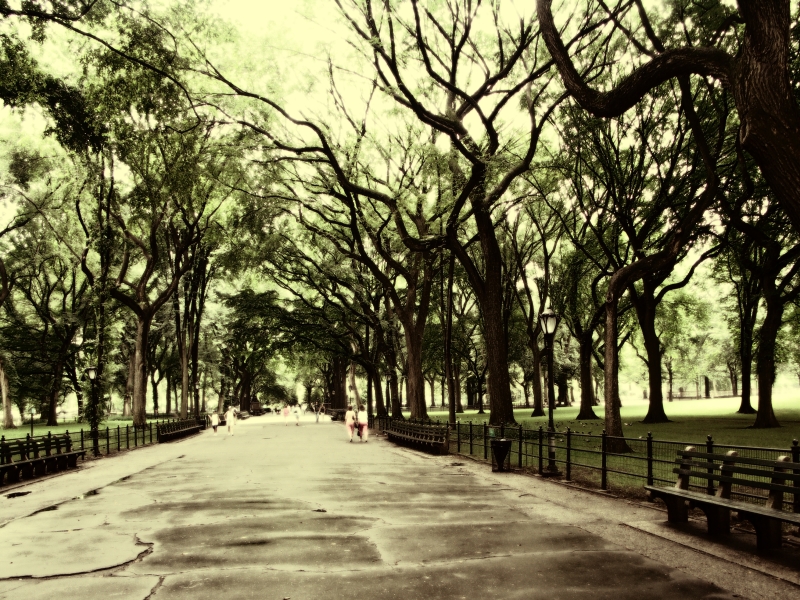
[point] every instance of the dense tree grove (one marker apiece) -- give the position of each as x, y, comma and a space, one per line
203, 233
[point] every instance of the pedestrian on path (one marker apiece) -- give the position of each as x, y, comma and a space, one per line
363, 423
296, 412
214, 422
230, 419
285, 413
350, 422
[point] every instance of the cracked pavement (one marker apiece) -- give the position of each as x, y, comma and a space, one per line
297, 512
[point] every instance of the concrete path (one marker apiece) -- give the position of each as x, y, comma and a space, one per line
277, 512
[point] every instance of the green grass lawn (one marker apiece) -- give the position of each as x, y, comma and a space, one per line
691, 422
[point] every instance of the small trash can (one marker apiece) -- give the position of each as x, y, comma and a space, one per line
501, 455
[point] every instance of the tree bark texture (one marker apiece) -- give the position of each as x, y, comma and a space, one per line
765, 360
8, 419
587, 389
140, 370
613, 417
646, 305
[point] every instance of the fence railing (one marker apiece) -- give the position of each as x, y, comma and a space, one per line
605, 461
114, 439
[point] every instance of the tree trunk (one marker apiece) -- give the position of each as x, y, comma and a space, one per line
154, 383
415, 380
587, 392
499, 382
538, 404
375, 377
613, 417
140, 371
432, 383
169, 396
55, 390
765, 361
645, 305
126, 402
8, 419
457, 380
746, 356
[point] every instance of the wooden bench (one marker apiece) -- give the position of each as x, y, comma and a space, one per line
749, 475
24, 459
166, 432
428, 437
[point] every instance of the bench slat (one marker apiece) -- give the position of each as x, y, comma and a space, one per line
763, 485
741, 459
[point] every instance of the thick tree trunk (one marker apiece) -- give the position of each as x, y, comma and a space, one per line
765, 361
8, 419
415, 379
375, 378
140, 371
646, 305
499, 382
587, 392
613, 417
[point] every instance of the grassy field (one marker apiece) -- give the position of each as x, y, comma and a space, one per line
691, 421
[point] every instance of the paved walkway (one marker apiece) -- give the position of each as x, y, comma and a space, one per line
278, 512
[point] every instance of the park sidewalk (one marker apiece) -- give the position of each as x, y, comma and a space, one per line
298, 512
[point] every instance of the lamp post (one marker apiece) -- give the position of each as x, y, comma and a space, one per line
93, 412
549, 321
31, 424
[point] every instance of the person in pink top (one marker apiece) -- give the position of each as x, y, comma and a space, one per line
363, 423
285, 414
350, 422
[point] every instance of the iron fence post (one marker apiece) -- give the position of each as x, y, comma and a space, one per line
82, 448
649, 458
541, 462
108, 442
485, 445
796, 459
470, 438
458, 437
118, 438
603, 469
569, 454
519, 461
127, 437
710, 461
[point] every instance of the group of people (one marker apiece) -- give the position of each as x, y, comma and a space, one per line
355, 421
360, 418
230, 419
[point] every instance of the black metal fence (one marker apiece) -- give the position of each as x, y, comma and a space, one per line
608, 462
113, 439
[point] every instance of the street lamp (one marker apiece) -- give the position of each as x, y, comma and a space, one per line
93, 412
31, 425
549, 321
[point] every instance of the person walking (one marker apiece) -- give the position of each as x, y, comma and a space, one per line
296, 412
215, 422
230, 419
350, 422
285, 413
363, 423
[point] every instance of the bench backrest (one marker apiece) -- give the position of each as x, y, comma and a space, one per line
744, 472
